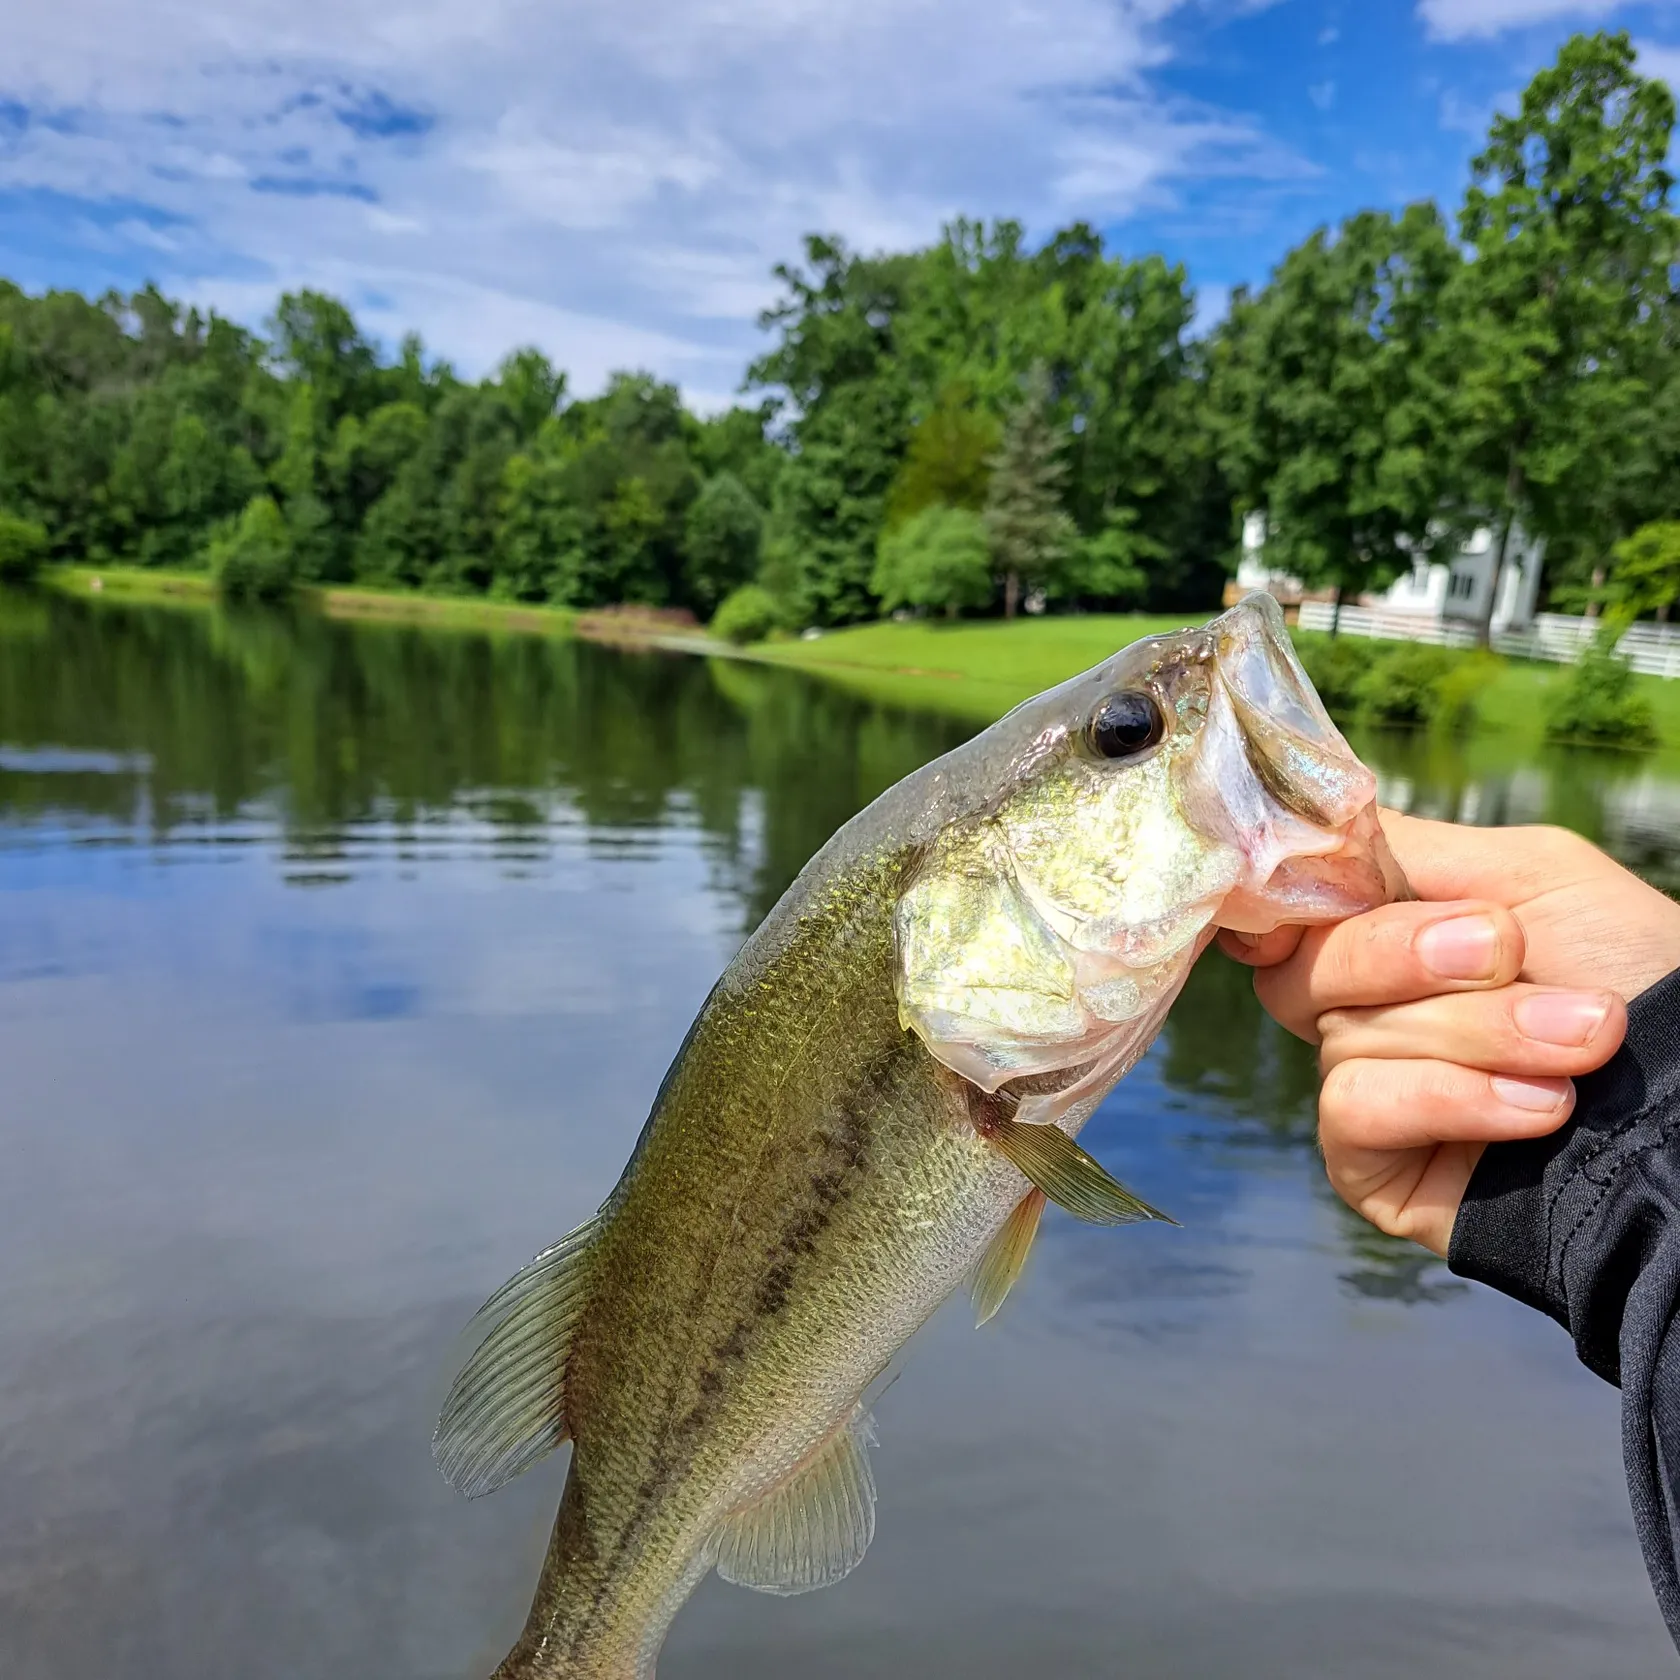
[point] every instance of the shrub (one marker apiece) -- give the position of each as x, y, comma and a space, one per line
1400, 684
748, 614
255, 562
940, 558
721, 540
1599, 702
23, 546
1458, 693
1396, 683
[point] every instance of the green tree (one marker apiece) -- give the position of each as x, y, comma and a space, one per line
1568, 223
1030, 532
737, 441
721, 541
297, 476
1645, 569
397, 544
23, 546
255, 561
1114, 338
539, 532
630, 525
533, 389
949, 459
470, 510
836, 366
1114, 563
939, 558
318, 343
1335, 401
366, 456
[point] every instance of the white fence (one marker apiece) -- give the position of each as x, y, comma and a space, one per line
1651, 648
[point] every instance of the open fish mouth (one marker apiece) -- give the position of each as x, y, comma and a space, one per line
1049, 935
1275, 779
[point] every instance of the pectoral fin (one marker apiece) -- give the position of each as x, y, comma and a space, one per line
507, 1408
1005, 1255
811, 1530
1066, 1174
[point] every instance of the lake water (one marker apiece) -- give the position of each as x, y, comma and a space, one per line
338, 967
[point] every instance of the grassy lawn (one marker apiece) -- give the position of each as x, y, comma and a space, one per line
1515, 701
132, 583
399, 606
408, 607
979, 670
970, 670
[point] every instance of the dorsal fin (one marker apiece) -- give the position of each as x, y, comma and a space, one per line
811, 1530
507, 1408
1005, 1255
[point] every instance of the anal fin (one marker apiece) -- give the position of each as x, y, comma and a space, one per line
507, 1408
811, 1530
1005, 1255
1071, 1179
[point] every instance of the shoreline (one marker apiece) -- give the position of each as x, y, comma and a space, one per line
975, 670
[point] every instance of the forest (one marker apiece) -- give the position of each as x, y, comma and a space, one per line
982, 425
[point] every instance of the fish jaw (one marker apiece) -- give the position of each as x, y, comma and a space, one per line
1274, 778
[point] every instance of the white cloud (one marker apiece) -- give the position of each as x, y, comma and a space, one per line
1472, 117
613, 180
1660, 61
1456, 20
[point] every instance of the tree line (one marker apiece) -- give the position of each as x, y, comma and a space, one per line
976, 425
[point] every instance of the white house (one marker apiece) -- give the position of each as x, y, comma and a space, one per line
1452, 589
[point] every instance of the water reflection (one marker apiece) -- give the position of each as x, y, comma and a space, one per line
1628, 803
183, 727
266, 1147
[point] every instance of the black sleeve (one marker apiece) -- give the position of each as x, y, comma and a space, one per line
1585, 1225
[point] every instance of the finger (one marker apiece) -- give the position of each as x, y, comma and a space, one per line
1261, 950
1415, 1194
1518, 1029
1445, 860
1392, 955
1373, 1108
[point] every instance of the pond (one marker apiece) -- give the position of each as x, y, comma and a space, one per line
338, 967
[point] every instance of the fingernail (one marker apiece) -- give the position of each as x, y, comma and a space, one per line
1569, 1018
1465, 948
1533, 1096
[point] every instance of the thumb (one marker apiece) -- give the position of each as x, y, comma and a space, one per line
1260, 950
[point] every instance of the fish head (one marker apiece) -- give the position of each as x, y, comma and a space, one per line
1193, 781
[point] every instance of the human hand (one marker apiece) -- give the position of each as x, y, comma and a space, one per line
1457, 1021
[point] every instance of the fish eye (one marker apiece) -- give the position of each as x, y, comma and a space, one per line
1125, 724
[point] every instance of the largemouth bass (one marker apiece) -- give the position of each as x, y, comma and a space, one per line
875, 1103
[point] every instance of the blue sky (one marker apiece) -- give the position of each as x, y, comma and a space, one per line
612, 179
